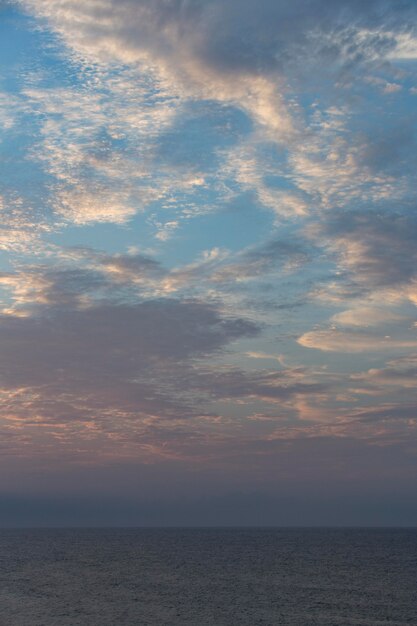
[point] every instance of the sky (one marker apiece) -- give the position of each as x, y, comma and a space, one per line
208, 262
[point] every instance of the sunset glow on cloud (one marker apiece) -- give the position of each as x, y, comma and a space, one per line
208, 253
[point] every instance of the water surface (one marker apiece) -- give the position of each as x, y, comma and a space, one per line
207, 577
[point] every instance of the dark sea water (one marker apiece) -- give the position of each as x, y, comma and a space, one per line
208, 576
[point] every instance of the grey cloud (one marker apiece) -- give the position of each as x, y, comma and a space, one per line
400, 373
215, 266
390, 148
278, 250
237, 35
376, 249
388, 413
136, 263
111, 339
87, 347
267, 385
262, 259
95, 276
132, 367
270, 34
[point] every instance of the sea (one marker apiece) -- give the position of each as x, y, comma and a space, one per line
208, 576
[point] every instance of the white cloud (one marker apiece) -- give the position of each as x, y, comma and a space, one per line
152, 36
366, 316
351, 342
405, 48
81, 206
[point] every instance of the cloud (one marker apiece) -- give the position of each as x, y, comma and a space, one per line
406, 47
273, 255
81, 206
92, 364
119, 336
171, 37
214, 32
83, 318
215, 268
385, 86
20, 231
400, 373
94, 144
376, 249
266, 385
103, 139
119, 373
390, 148
353, 342
178, 109
367, 316
8, 106
229, 51
336, 165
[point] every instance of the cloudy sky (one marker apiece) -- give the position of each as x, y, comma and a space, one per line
208, 262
